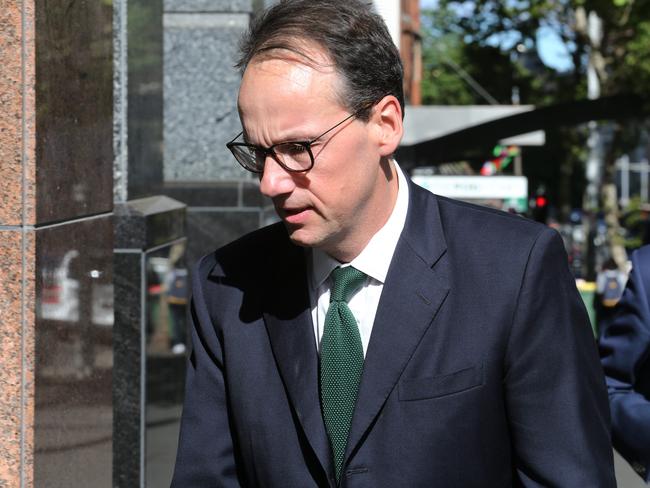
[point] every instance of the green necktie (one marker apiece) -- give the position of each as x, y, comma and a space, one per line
341, 361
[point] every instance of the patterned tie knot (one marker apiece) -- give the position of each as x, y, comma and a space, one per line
346, 282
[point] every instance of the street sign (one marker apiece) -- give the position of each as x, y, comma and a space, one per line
504, 192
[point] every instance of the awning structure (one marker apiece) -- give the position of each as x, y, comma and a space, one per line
428, 122
437, 134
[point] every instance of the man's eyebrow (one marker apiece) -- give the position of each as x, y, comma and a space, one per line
283, 140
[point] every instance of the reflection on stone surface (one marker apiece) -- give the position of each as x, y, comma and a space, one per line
74, 118
167, 293
166, 339
145, 97
74, 360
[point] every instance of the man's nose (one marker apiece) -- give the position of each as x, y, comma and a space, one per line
275, 180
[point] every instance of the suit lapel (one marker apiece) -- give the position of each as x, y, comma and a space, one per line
416, 286
288, 321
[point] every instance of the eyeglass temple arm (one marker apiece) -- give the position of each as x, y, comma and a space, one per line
332, 128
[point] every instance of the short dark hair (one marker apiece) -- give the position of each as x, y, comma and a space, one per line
352, 34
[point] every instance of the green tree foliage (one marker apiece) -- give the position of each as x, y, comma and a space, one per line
622, 58
496, 43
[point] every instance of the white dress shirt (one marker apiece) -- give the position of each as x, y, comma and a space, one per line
374, 261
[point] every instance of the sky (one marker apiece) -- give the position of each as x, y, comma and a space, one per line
551, 49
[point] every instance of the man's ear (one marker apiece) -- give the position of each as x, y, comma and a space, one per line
387, 120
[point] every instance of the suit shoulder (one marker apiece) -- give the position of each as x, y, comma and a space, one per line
249, 252
641, 257
489, 238
488, 222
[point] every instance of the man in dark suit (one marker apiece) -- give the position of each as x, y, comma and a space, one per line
379, 336
625, 347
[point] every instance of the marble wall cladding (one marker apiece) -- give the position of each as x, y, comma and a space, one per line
200, 95
16, 124
16, 351
74, 354
74, 133
145, 97
208, 229
10, 113
127, 387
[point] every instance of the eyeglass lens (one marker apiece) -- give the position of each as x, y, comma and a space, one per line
294, 156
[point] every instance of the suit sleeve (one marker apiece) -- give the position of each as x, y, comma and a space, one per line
555, 391
206, 454
624, 348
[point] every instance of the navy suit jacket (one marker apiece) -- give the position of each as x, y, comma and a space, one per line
481, 370
624, 347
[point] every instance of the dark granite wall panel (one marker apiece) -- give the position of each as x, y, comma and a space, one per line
206, 193
74, 130
127, 388
74, 355
251, 196
148, 222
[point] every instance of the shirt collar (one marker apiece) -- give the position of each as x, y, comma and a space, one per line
375, 258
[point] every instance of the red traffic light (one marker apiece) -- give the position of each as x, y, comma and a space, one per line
540, 201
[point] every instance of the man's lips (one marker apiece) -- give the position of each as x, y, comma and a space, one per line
294, 215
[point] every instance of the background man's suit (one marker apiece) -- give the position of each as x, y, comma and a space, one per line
625, 346
480, 359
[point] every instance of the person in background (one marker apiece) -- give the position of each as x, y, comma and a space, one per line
625, 356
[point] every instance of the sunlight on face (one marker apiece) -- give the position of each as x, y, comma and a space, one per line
334, 205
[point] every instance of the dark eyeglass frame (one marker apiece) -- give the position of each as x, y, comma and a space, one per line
268, 151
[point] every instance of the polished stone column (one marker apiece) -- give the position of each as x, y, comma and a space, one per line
150, 340
56, 298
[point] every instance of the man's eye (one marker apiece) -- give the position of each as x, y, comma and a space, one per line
293, 149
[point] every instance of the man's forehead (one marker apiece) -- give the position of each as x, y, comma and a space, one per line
287, 69
292, 72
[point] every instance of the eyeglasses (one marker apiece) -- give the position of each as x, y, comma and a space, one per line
293, 156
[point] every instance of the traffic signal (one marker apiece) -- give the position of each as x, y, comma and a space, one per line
540, 205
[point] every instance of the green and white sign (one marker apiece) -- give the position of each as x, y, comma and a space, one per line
505, 192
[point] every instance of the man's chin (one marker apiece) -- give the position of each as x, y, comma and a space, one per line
301, 237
